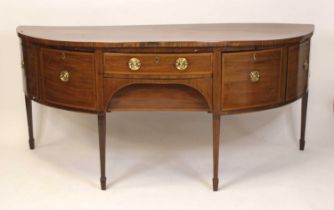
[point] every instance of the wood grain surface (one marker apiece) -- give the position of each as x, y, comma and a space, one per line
183, 35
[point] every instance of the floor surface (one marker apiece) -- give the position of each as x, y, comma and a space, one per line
164, 161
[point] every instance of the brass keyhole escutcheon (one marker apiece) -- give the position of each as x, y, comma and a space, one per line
64, 76
63, 56
134, 64
157, 59
254, 76
181, 64
306, 66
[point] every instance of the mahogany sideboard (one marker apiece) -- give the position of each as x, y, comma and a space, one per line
217, 68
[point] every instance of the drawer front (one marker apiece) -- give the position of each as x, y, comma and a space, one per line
158, 65
69, 78
298, 70
252, 79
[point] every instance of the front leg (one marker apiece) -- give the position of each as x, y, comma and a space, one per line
303, 121
102, 145
216, 136
30, 123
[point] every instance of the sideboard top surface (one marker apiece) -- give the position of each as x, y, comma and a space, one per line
183, 35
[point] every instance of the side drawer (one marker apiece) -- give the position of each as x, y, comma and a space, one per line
158, 65
253, 79
69, 78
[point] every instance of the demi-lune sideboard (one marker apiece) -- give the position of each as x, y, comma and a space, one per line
215, 68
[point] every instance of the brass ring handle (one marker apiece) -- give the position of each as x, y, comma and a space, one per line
181, 64
64, 76
254, 76
134, 64
306, 66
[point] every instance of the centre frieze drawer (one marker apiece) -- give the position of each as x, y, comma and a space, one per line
158, 65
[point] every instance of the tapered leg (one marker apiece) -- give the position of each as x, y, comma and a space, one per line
30, 123
102, 144
216, 136
303, 121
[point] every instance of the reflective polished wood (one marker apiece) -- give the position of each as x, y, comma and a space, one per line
216, 68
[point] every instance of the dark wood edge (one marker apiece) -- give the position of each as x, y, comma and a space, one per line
262, 108
292, 99
186, 49
165, 44
67, 108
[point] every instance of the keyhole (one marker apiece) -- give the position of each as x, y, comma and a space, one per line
254, 57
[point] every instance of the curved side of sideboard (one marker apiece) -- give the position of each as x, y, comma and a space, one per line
282, 78
30, 70
298, 71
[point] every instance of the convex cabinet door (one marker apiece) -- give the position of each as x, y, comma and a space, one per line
68, 78
253, 79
